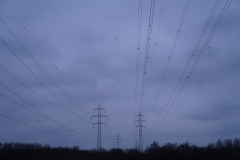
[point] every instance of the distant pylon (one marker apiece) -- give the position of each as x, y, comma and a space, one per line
140, 127
99, 123
118, 140
136, 145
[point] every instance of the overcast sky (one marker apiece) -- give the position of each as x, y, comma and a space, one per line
60, 59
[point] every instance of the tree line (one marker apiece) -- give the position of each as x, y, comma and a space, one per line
227, 149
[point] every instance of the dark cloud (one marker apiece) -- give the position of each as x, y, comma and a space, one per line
89, 49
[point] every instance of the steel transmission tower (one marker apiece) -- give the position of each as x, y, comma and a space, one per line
140, 127
118, 140
99, 123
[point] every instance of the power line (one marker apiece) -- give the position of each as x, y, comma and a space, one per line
10, 99
60, 134
146, 58
190, 58
138, 52
196, 46
7, 71
171, 52
156, 41
30, 71
40, 113
215, 26
139, 30
39, 66
154, 50
43, 52
18, 96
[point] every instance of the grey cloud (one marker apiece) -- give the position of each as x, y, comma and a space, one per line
93, 45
